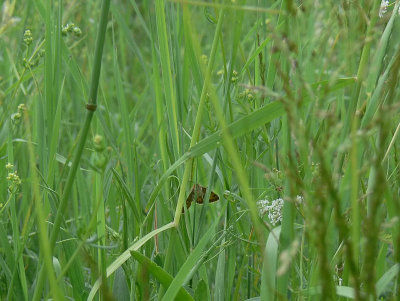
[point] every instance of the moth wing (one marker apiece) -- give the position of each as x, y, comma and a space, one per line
213, 197
189, 200
199, 199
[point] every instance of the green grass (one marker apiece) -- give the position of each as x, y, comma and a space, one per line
107, 123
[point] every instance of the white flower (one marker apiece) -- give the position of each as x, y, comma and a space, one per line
274, 210
383, 8
299, 199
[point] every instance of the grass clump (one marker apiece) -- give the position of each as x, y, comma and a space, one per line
282, 112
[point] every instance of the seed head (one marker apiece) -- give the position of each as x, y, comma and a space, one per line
28, 37
14, 178
99, 144
16, 117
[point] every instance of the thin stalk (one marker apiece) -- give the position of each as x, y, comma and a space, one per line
199, 116
356, 223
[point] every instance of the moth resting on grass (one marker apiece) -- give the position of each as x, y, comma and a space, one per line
197, 194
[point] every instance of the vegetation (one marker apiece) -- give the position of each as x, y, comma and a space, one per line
275, 121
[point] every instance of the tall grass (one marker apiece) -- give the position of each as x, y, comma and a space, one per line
111, 112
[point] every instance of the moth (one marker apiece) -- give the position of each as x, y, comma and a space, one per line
197, 194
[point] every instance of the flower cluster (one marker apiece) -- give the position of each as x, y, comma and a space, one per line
28, 39
71, 28
274, 210
33, 61
99, 157
246, 94
13, 177
235, 76
383, 8
16, 117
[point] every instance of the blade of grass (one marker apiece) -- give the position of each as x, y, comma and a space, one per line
268, 276
187, 269
165, 58
126, 255
162, 276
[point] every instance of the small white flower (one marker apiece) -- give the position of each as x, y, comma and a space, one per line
299, 199
383, 8
274, 210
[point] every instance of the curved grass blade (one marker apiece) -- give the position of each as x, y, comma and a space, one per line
342, 291
387, 278
162, 276
126, 255
127, 194
268, 276
190, 264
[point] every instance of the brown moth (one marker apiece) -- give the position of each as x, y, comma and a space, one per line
197, 194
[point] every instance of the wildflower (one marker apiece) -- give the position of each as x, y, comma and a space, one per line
274, 210
21, 108
64, 31
98, 142
67, 29
16, 117
235, 77
299, 199
77, 31
28, 37
71, 28
246, 94
220, 72
14, 178
383, 8
99, 159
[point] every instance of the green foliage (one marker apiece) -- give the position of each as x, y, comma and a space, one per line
110, 113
